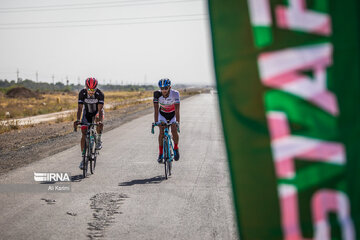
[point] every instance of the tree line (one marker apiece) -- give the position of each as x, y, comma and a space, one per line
5, 85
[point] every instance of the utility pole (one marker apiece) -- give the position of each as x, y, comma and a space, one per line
17, 75
78, 86
53, 80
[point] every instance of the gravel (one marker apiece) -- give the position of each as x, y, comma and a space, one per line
24, 146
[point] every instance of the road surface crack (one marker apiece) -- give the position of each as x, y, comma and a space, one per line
105, 206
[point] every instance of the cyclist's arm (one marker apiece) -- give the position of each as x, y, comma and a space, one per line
156, 111
100, 106
157, 95
177, 112
80, 107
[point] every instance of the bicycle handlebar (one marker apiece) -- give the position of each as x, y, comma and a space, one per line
84, 124
164, 124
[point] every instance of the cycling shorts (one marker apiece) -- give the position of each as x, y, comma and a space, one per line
167, 117
89, 118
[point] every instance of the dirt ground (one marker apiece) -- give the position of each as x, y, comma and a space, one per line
21, 92
21, 147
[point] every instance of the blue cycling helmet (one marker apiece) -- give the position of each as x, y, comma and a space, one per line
165, 82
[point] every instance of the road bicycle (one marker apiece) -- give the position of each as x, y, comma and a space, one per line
168, 149
90, 151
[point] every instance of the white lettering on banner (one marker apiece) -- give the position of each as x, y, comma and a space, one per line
325, 202
297, 17
282, 70
285, 70
260, 12
286, 148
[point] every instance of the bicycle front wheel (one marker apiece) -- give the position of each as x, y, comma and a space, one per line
92, 154
166, 159
85, 161
169, 162
93, 163
170, 157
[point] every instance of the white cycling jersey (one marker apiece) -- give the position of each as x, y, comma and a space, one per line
167, 105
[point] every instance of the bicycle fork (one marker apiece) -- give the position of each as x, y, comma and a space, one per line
167, 148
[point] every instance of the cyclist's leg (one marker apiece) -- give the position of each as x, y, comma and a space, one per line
175, 136
100, 127
161, 118
84, 120
83, 131
99, 130
174, 131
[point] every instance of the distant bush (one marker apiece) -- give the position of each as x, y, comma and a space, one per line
22, 92
5, 85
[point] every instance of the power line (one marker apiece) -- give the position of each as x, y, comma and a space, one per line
103, 20
84, 6
70, 5
99, 24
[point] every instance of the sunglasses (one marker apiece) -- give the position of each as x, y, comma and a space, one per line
164, 88
91, 90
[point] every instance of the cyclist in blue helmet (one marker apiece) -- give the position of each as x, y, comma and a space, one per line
167, 109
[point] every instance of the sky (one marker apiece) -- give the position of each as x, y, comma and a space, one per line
116, 41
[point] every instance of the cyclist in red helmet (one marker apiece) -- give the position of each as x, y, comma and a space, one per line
93, 99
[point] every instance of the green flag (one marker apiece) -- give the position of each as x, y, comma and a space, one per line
289, 90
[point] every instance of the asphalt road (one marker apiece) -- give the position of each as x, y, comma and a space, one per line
128, 197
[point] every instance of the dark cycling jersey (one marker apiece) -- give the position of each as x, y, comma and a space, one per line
91, 102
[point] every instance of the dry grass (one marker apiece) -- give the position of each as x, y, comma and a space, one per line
26, 107
67, 118
113, 97
50, 103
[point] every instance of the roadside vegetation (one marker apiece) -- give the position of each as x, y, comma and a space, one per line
19, 107
17, 101
12, 108
5, 85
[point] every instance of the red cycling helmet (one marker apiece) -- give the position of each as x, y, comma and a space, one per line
91, 83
